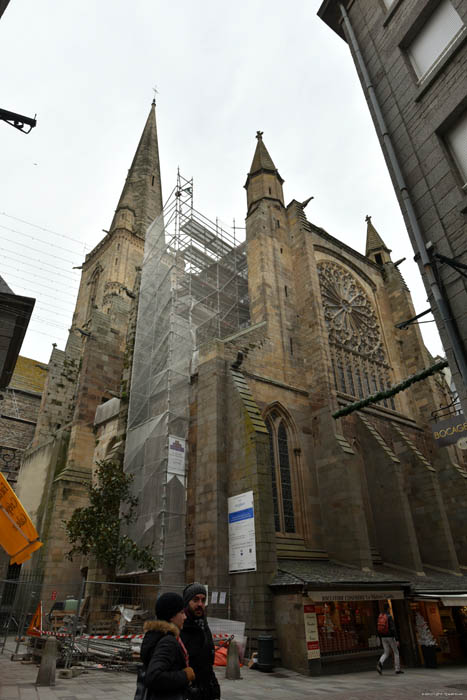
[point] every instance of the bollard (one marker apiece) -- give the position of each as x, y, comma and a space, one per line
46, 674
232, 671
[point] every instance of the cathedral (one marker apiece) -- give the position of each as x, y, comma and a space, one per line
210, 368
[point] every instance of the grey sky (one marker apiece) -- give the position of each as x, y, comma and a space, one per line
223, 70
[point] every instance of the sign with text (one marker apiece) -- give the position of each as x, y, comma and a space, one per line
450, 431
311, 631
347, 596
242, 541
177, 449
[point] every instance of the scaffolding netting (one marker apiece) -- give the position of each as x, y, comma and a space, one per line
194, 288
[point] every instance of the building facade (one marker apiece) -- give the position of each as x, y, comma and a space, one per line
234, 355
411, 58
57, 468
347, 512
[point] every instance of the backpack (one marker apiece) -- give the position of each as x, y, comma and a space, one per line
383, 624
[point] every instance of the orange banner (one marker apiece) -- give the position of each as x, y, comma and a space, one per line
18, 536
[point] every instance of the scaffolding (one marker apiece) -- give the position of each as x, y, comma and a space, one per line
194, 288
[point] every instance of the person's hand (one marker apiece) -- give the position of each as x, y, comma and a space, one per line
190, 674
398, 643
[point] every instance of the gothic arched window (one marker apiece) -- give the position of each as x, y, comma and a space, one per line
281, 473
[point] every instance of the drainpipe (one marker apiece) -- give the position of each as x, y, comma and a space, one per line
420, 246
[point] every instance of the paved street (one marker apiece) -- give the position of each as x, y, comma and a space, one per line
17, 683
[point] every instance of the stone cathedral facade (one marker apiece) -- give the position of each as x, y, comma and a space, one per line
348, 513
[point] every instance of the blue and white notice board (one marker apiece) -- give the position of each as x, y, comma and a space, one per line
242, 541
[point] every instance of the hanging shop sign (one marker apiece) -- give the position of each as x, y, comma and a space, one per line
348, 596
311, 631
451, 431
242, 542
177, 449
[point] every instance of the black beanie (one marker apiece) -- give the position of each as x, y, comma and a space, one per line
192, 590
168, 605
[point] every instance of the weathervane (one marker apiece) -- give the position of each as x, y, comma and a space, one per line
156, 92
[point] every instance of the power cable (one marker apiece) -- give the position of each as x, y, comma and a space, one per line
34, 238
42, 228
36, 267
52, 289
57, 257
71, 292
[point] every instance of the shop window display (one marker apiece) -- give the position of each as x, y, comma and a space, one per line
446, 626
347, 627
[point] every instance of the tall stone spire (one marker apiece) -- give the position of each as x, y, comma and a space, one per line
376, 248
141, 199
263, 180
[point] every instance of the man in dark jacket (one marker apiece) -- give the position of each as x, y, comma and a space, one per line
197, 638
167, 671
389, 641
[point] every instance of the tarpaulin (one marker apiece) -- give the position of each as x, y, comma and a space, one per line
18, 536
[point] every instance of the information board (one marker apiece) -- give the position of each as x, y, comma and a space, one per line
242, 542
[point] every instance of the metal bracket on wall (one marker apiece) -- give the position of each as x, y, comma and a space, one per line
18, 121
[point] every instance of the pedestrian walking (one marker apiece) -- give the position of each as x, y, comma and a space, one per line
197, 638
387, 633
167, 674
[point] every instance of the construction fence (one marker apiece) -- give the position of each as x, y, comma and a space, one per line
100, 624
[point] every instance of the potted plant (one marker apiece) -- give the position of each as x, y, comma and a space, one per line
427, 642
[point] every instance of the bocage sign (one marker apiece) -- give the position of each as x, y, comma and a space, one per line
451, 431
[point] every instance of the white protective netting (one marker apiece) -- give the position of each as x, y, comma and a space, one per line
194, 287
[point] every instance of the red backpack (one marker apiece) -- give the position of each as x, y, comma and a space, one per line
383, 623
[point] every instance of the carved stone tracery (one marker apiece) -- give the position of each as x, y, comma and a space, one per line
358, 356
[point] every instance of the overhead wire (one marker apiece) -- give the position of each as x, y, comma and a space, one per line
34, 238
70, 292
57, 257
42, 228
36, 267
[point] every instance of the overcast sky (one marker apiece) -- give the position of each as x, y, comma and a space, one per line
223, 70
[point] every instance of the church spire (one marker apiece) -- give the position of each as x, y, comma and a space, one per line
376, 249
263, 180
141, 199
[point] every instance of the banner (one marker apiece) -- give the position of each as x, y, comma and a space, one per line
177, 449
242, 541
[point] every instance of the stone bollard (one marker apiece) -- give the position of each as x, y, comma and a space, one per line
46, 674
232, 671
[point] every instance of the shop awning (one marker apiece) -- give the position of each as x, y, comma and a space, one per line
18, 536
456, 599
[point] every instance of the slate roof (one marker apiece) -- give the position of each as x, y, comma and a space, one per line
325, 573
434, 582
4, 288
329, 574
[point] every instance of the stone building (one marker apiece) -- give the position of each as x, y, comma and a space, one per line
18, 416
347, 512
411, 58
88, 372
234, 355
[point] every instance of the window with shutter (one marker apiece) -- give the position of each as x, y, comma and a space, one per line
435, 38
457, 141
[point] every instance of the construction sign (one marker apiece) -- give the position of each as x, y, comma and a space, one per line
35, 626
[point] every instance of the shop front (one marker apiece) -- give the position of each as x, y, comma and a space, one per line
335, 631
346, 624
440, 624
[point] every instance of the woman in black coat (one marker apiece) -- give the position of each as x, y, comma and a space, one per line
167, 671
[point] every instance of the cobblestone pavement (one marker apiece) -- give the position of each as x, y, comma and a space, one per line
17, 683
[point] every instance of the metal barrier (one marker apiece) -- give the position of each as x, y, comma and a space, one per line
99, 623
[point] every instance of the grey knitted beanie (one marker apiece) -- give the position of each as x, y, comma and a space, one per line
191, 590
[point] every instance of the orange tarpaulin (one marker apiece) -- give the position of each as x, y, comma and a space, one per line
18, 536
